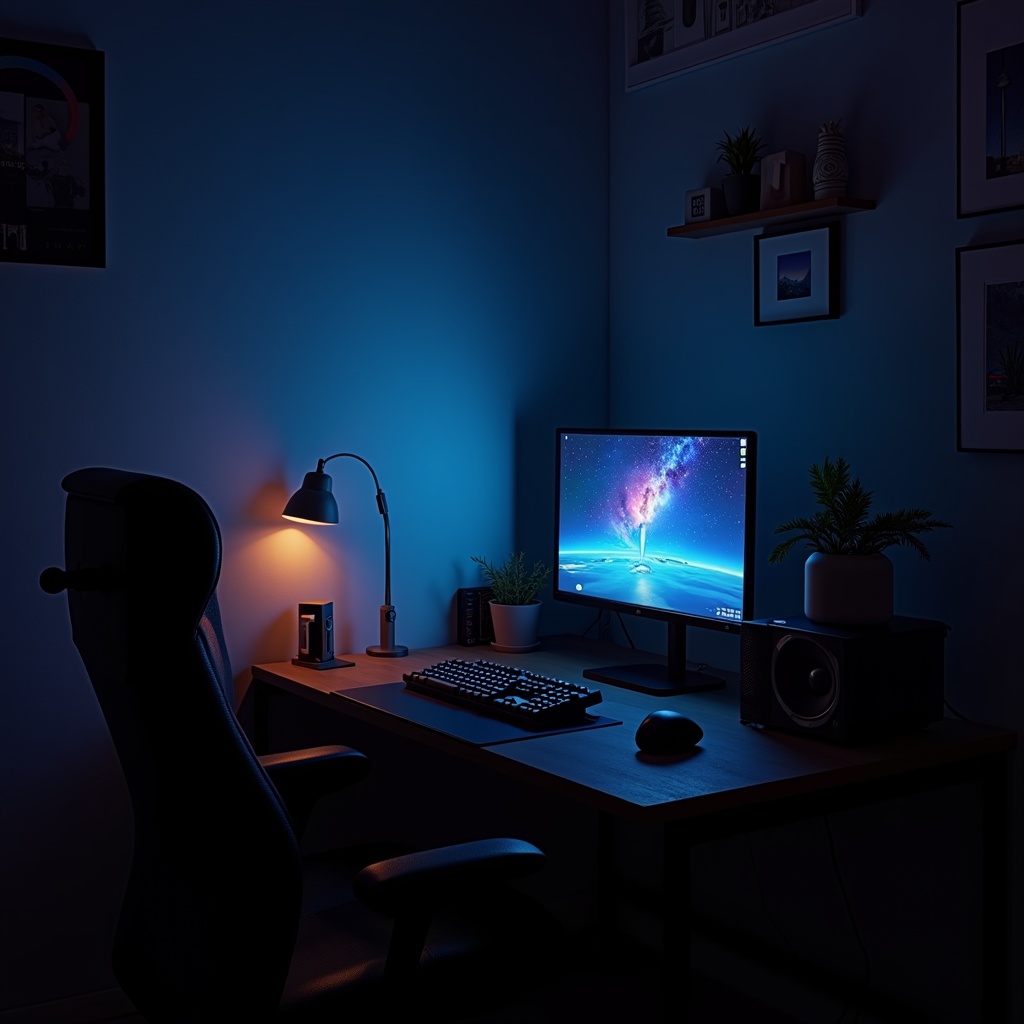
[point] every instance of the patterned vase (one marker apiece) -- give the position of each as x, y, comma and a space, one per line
830, 171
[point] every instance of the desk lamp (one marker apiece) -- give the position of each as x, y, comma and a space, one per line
314, 503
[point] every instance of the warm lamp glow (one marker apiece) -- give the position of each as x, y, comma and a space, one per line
314, 503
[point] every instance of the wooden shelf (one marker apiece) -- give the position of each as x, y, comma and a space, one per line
817, 209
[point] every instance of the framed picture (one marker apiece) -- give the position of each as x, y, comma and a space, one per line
668, 37
796, 276
52, 203
990, 106
990, 347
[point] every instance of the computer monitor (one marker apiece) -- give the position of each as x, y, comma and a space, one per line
657, 524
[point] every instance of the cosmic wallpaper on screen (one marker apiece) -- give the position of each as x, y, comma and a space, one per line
655, 521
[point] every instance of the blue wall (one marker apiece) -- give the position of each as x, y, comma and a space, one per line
377, 228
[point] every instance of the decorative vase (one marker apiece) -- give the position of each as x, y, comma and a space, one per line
848, 590
742, 193
515, 625
830, 172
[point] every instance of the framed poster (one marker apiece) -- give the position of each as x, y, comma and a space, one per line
668, 37
52, 203
990, 106
796, 276
990, 347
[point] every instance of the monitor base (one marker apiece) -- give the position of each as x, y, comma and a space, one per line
654, 678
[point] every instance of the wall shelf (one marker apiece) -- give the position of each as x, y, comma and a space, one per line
817, 209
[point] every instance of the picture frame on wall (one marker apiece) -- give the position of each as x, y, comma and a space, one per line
990, 347
668, 37
796, 276
52, 193
990, 106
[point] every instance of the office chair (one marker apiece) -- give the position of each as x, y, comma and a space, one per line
222, 918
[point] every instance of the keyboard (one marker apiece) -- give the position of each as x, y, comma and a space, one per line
506, 692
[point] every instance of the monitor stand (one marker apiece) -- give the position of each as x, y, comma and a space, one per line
665, 679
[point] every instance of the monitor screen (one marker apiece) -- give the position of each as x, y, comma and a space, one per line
657, 523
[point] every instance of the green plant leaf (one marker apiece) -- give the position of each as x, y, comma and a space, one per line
512, 582
842, 527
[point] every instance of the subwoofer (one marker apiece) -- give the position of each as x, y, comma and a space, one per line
845, 684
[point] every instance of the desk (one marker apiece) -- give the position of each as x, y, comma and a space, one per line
737, 780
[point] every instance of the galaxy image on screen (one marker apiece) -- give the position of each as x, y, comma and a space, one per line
653, 521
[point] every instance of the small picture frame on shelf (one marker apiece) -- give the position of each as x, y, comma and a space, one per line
796, 276
990, 106
990, 348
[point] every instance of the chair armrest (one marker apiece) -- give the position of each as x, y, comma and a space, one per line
303, 777
419, 881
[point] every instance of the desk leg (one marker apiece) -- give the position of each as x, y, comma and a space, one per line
606, 874
676, 980
995, 892
260, 717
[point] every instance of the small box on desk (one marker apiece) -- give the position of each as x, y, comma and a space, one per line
473, 624
704, 204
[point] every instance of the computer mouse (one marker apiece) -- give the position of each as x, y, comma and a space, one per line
667, 732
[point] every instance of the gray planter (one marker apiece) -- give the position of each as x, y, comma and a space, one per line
848, 590
515, 625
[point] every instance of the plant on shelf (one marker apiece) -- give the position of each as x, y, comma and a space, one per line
741, 187
512, 582
742, 151
847, 578
515, 608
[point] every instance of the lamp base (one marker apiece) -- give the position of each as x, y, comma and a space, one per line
398, 651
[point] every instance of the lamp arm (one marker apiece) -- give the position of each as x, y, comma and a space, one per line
382, 506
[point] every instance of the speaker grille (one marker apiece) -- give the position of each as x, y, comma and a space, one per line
805, 680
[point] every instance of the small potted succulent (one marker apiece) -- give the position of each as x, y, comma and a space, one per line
847, 578
741, 187
515, 608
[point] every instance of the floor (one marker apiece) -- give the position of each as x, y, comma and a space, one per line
627, 990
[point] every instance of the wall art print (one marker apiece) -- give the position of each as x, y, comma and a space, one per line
796, 276
668, 37
52, 200
990, 347
990, 106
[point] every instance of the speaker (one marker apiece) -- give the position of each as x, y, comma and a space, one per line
845, 684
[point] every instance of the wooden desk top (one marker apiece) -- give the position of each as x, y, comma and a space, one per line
735, 768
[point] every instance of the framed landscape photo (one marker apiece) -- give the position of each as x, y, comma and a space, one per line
990, 106
52, 200
668, 37
990, 347
796, 276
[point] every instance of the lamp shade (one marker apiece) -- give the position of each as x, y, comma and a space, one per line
313, 502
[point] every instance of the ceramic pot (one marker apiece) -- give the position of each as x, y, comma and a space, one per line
848, 590
742, 193
830, 172
515, 625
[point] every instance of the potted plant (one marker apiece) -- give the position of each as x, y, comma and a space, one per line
515, 608
741, 187
847, 578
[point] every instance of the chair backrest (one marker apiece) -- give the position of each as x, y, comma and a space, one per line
211, 907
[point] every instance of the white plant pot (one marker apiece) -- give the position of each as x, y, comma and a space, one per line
848, 590
515, 625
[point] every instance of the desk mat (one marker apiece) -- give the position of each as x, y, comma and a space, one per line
459, 723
